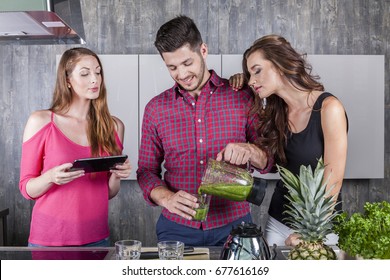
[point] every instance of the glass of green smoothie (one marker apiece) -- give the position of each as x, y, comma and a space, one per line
203, 209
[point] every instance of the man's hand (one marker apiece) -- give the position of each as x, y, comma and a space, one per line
235, 153
242, 153
180, 203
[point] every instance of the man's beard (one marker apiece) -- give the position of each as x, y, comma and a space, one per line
199, 76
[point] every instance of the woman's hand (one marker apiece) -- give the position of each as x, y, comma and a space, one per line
237, 81
123, 170
293, 240
58, 175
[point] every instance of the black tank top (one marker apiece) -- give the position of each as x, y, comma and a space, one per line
303, 148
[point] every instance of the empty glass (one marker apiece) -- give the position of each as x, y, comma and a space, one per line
128, 249
170, 250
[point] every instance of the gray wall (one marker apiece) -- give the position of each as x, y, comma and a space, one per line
229, 27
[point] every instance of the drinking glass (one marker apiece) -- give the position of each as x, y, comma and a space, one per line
128, 249
203, 209
170, 250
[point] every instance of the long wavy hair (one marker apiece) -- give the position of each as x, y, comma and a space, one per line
101, 125
274, 124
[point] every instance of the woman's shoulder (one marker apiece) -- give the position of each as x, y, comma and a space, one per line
333, 111
118, 123
36, 122
119, 126
331, 103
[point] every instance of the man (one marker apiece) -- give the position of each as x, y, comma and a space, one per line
200, 117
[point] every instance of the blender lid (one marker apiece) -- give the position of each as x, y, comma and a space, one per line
247, 230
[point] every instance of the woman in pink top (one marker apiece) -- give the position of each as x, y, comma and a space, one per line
71, 208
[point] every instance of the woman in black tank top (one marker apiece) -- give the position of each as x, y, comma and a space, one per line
299, 122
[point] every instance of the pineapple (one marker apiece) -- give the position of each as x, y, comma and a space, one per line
310, 212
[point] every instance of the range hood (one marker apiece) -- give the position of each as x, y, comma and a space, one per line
41, 22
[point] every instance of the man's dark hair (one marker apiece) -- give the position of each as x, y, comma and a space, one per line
176, 33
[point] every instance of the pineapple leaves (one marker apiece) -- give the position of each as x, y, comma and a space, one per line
310, 209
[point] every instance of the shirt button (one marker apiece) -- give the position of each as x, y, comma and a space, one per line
201, 162
193, 103
201, 140
199, 120
211, 92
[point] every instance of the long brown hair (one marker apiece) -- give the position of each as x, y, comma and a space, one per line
274, 125
101, 125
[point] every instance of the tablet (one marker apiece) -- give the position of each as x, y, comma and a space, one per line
97, 164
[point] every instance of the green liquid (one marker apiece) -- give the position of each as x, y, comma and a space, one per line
201, 214
233, 192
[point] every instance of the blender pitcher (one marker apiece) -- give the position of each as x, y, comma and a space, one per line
232, 182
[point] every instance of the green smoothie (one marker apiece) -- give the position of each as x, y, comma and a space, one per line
201, 213
203, 209
235, 192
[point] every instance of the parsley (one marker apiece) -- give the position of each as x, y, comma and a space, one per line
367, 234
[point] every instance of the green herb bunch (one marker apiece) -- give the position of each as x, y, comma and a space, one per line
368, 234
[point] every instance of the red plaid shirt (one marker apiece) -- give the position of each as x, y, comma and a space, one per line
186, 132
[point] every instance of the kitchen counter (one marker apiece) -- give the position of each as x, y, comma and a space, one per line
108, 253
56, 253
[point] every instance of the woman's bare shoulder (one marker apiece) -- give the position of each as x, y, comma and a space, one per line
36, 122
333, 116
118, 123
119, 127
332, 105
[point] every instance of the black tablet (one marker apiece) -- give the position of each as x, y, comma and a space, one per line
97, 164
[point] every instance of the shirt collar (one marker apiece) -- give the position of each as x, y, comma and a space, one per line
213, 82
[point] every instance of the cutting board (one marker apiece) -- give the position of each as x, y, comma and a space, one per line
199, 253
